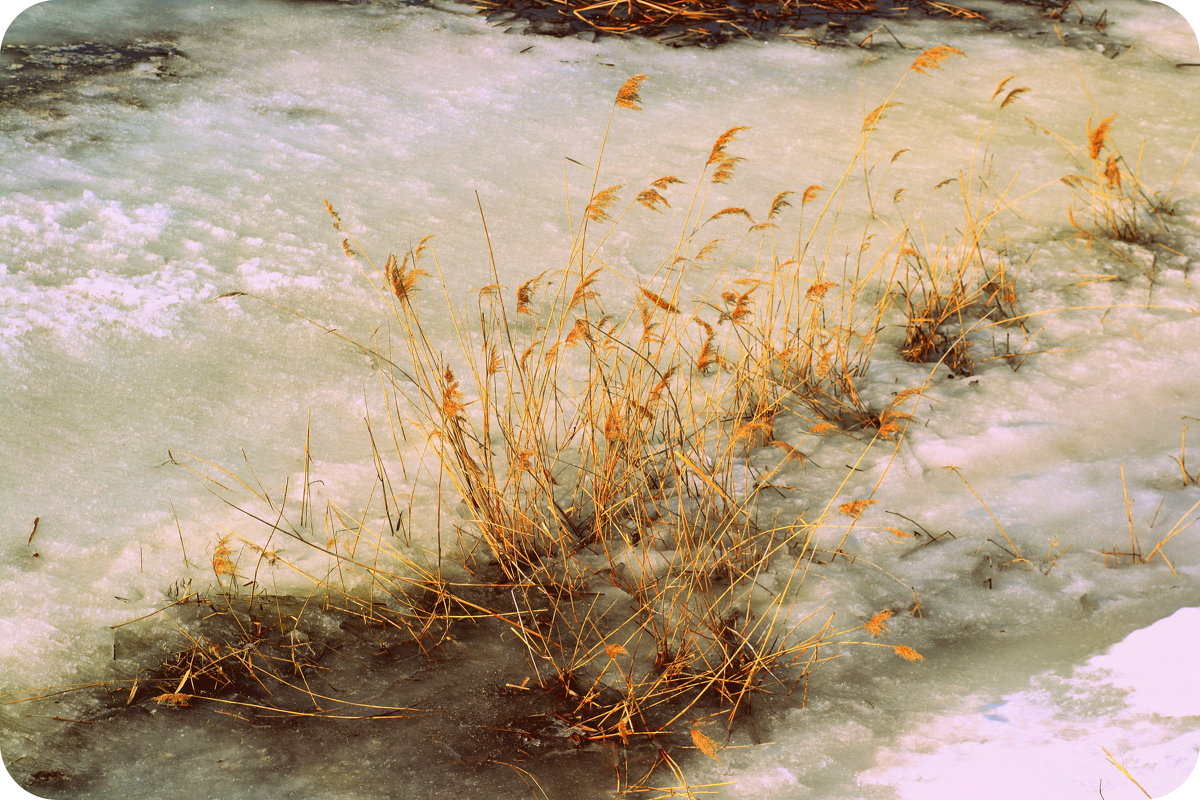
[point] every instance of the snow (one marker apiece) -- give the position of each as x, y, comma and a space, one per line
1158, 666
1051, 739
133, 199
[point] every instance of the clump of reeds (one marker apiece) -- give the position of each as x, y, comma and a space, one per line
608, 441
951, 290
955, 287
609, 450
936, 307
600, 444
1108, 192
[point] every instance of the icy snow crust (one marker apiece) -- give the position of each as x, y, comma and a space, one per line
135, 196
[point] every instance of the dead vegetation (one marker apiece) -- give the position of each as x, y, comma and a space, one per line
608, 455
598, 445
710, 22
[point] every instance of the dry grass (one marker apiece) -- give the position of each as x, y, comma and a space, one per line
607, 440
955, 287
250, 657
1189, 478
1111, 202
1121, 768
602, 448
710, 21
1133, 553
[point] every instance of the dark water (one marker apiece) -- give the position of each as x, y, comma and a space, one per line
445, 721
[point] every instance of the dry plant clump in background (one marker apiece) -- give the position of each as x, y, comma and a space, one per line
1110, 193
711, 22
1111, 202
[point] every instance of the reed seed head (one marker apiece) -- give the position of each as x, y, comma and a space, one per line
1013, 95
855, 508
1098, 135
662, 303
876, 115
779, 204
652, 199
222, 564
705, 743
597, 207
337, 220
627, 95
718, 153
933, 58
875, 625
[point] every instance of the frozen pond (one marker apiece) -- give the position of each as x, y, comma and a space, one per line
156, 157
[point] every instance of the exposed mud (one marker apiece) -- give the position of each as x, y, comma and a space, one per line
44, 76
448, 721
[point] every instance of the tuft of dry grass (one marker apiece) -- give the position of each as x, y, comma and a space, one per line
594, 449
1108, 192
1133, 550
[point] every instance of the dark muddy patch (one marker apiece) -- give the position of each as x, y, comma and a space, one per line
42, 76
308, 701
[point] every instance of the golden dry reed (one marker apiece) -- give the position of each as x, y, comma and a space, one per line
592, 444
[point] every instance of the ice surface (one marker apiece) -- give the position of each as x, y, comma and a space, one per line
146, 181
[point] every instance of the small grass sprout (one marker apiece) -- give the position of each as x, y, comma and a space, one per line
1189, 478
